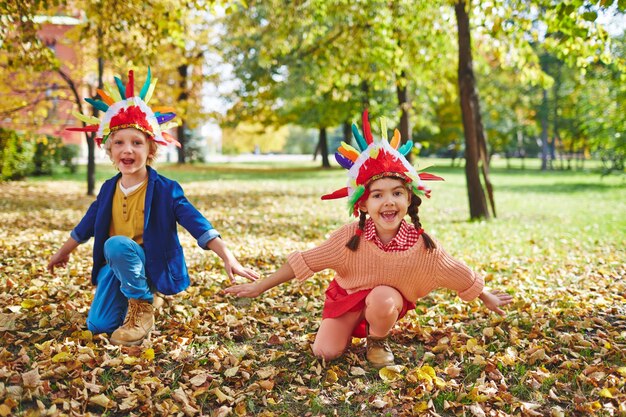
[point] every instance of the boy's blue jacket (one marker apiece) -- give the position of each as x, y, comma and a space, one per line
165, 205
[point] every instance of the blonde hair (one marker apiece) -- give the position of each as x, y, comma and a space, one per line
153, 147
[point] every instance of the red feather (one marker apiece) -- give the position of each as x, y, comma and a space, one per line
130, 87
341, 193
90, 128
367, 131
425, 176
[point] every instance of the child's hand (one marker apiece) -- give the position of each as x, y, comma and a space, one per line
233, 267
495, 299
58, 260
245, 290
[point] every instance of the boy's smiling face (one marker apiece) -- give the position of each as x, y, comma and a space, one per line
387, 204
130, 151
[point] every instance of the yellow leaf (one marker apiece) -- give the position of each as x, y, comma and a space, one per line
31, 303
240, 409
148, 354
62, 357
231, 372
101, 400
5, 410
84, 335
420, 407
471, 344
221, 397
388, 374
622, 371
130, 360
604, 392
331, 377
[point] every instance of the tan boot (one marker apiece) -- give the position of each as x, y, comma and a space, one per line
378, 352
137, 324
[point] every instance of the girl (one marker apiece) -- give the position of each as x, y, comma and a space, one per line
134, 219
382, 264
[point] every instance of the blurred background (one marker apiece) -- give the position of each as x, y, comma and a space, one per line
466, 81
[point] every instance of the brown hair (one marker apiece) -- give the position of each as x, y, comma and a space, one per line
412, 211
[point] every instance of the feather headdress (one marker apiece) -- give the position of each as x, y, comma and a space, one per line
123, 109
376, 159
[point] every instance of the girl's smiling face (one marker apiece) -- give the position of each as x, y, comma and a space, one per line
387, 204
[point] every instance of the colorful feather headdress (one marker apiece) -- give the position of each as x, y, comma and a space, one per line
377, 159
123, 109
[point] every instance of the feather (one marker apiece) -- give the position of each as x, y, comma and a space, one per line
105, 97
395, 141
359, 139
406, 148
120, 87
113, 93
168, 125
366, 128
150, 90
383, 128
343, 161
162, 118
340, 193
349, 147
90, 120
163, 109
100, 105
91, 128
425, 176
354, 198
130, 86
350, 154
146, 85
171, 139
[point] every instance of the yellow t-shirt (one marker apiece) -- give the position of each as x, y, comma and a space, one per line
127, 213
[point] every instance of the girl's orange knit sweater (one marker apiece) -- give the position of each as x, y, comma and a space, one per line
414, 272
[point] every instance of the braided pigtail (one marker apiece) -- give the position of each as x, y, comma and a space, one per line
353, 243
413, 211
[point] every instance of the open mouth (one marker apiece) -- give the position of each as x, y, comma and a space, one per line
388, 216
126, 161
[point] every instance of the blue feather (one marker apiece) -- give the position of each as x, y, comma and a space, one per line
146, 85
359, 139
120, 87
343, 161
100, 105
406, 148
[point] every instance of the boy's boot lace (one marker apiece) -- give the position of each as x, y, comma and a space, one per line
378, 352
137, 325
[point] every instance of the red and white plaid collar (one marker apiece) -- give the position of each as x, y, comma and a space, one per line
406, 237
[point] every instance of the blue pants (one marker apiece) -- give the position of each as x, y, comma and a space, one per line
123, 277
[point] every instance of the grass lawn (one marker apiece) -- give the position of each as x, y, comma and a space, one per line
557, 244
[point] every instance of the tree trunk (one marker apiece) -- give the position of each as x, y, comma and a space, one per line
365, 98
183, 72
347, 132
405, 106
545, 148
323, 147
467, 89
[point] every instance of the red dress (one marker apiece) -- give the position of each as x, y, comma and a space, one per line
338, 302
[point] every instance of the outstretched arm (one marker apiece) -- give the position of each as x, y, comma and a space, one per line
495, 299
62, 256
285, 273
231, 264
